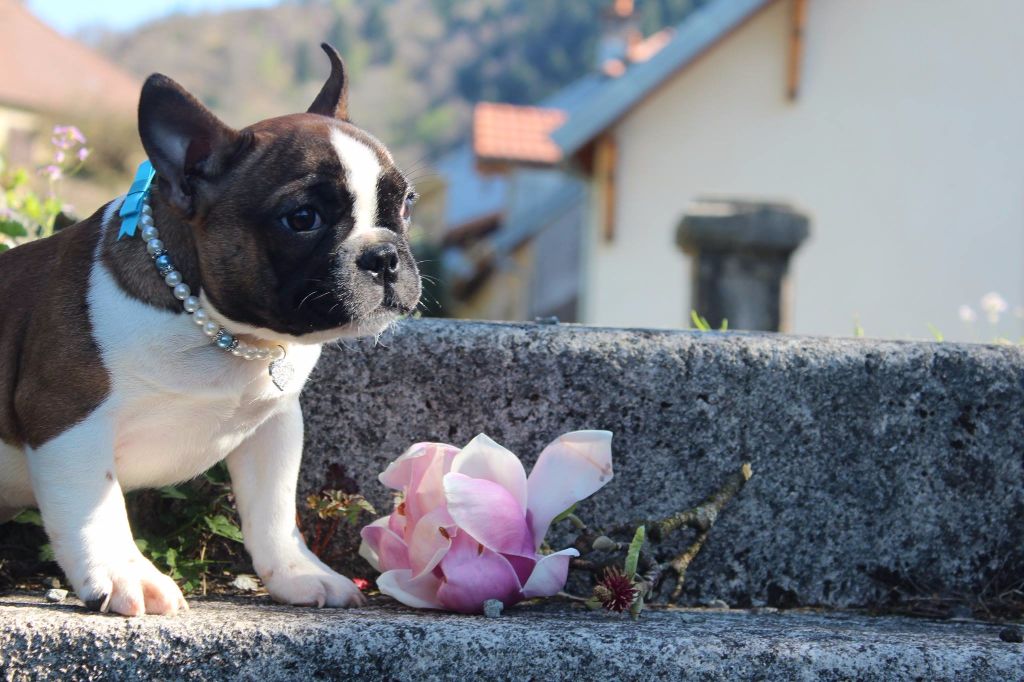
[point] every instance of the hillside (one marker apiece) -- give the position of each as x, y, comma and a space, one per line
416, 65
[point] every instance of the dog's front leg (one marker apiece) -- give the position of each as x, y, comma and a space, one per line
76, 487
264, 473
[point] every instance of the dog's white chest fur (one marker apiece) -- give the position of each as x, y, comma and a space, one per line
178, 403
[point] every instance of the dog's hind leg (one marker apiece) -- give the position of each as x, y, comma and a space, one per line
83, 511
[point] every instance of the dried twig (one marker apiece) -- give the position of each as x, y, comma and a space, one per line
651, 572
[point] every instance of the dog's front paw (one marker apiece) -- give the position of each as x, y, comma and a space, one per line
302, 582
133, 587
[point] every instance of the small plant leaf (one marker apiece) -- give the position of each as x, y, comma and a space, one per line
172, 493
224, 527
12, 228
633, 554
564, 515
29, 516
637, 607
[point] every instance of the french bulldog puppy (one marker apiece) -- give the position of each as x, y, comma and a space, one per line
291, 232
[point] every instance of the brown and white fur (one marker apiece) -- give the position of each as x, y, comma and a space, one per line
106, 385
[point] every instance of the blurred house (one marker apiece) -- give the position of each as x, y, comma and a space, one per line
896, 125
515, 218
43, 74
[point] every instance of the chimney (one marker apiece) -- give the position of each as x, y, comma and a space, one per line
619, 32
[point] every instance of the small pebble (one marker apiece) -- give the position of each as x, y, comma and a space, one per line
493, 607
245, 583
55, 595
717, 604
54, 583
1011, 633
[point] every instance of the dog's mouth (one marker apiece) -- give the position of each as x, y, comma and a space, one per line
346, 310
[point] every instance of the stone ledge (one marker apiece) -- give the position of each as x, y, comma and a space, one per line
882, 469
248, 639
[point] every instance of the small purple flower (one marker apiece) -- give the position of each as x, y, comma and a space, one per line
59, 156
66, 137
70, 132
52, 172
76, 135
83, 153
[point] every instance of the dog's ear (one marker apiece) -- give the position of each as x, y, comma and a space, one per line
183, 139
333, 97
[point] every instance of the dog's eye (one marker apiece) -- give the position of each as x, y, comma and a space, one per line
302, 219
410, 199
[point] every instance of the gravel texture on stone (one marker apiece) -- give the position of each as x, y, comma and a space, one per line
881, 469
251, 639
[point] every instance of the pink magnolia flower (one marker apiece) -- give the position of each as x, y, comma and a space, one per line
471, 522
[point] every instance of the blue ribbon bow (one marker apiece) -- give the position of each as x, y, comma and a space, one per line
131, 209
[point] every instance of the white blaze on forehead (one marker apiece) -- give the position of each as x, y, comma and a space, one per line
362, 169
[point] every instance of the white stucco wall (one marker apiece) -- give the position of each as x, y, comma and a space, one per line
906, 146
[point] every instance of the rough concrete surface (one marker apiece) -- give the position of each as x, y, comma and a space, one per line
249, 639
881, 469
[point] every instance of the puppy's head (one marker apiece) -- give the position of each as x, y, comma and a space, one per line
300, 222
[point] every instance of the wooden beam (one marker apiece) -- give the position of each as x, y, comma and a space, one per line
796, 47
606, 162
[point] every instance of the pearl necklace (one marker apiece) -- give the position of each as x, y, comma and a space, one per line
222, 338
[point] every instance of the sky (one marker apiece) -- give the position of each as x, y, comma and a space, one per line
69, 16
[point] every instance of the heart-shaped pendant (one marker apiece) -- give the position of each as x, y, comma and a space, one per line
281, 373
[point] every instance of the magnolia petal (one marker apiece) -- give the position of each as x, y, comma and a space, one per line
573, 467
473, 574
419, 593
382, 548
523, 565
430, 541
368, 549
398, 474
483, 458
489, 513
396, 521
426, 488
549, 574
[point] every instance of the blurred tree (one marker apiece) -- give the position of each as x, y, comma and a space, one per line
377, 33
303, 63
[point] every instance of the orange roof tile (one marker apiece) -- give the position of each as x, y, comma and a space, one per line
650, 46
42, 70
519, 134
507, 132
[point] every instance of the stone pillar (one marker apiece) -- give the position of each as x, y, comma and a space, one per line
740, 252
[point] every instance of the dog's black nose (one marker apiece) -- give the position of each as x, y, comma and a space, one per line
380, 260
